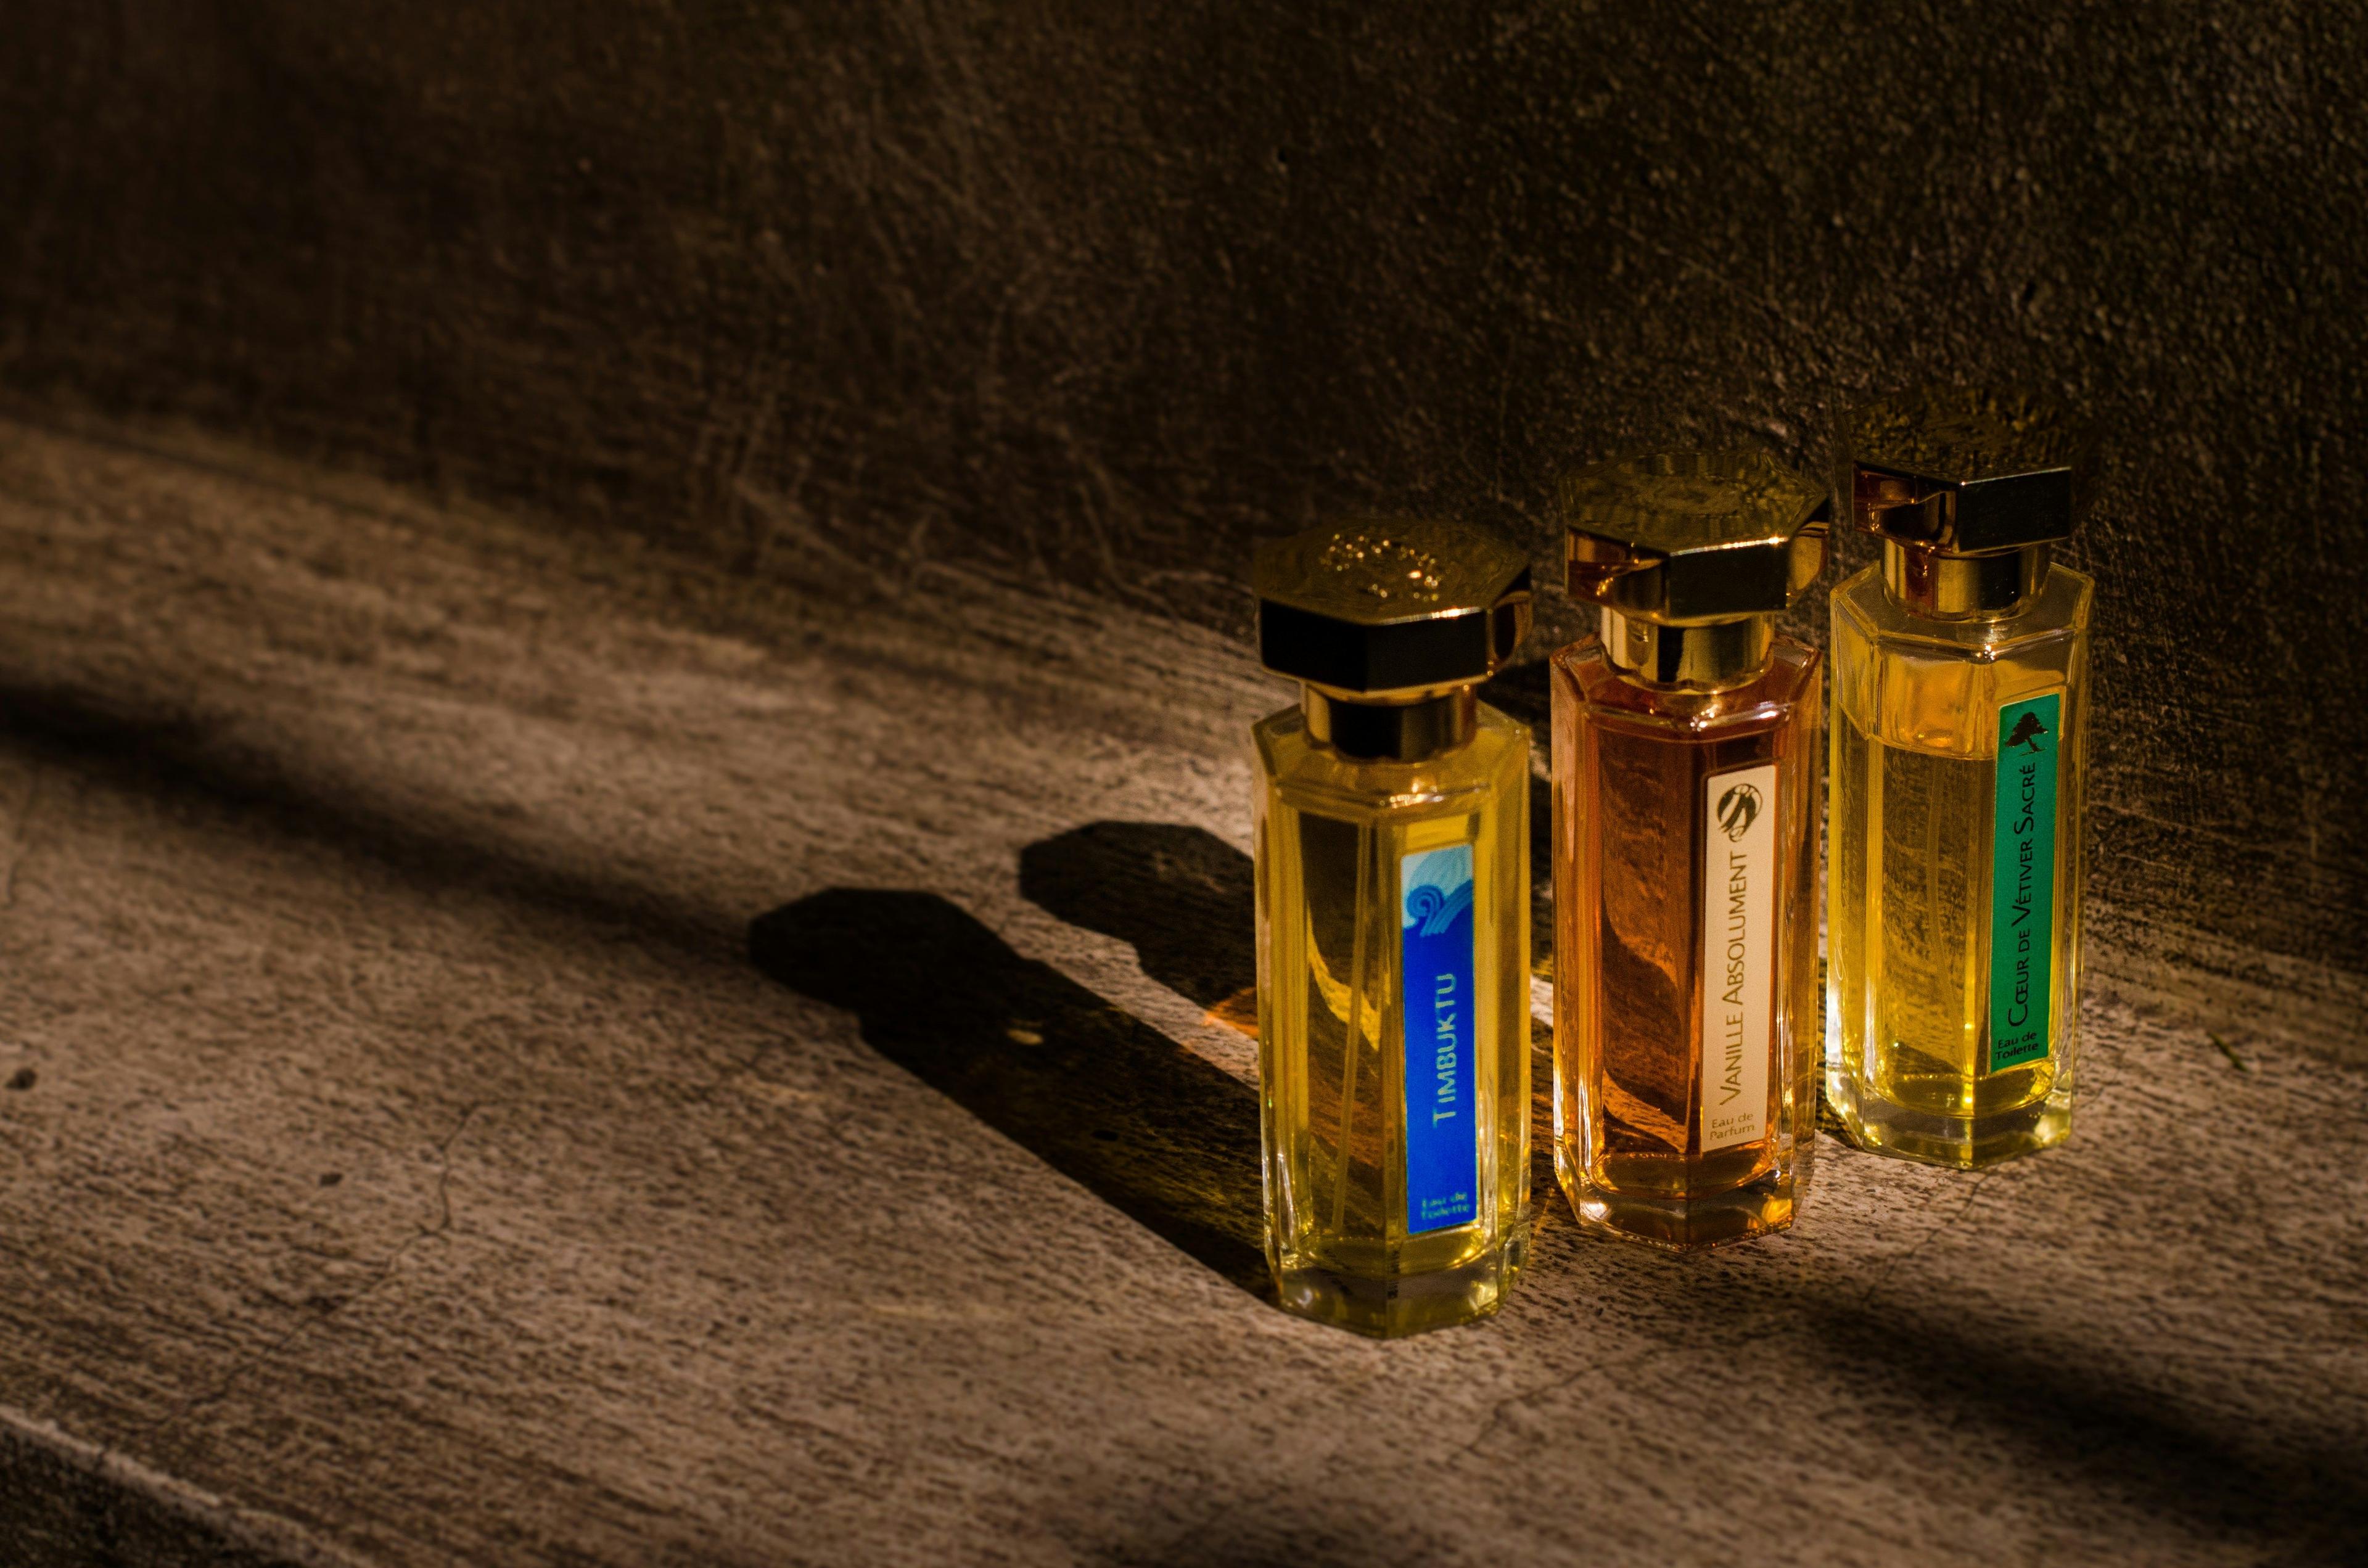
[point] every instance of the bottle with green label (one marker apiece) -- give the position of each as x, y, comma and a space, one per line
1961, 707
1393, 925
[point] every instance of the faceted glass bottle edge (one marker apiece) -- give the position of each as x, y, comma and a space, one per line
1768, 1202
1489, 776
2059, 616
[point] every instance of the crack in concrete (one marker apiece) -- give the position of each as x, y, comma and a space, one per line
1883, 1276
380, 1273
1512, 1402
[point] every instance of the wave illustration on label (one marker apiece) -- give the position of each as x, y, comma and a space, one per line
2022, 883
1739, 967
1443, 1135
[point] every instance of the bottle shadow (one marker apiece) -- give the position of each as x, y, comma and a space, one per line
1186, 900
1152, 1129
1173, 1142
1183, 898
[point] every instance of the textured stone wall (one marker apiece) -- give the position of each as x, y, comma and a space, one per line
1099, 293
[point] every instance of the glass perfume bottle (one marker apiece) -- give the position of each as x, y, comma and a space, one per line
1686, 791
1961, 672
1392, 926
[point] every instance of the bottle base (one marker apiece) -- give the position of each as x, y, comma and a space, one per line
1392, 1307
1758, 1208
1959, 1143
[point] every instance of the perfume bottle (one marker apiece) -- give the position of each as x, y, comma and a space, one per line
1686, 795
1961, 707
1392, 926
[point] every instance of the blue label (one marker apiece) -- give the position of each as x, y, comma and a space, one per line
1442, 1136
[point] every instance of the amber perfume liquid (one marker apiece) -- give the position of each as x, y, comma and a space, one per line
1959, 751
1393, 913
1685, 950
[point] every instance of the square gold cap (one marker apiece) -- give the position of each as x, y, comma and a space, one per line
1389, 607
1688, 539
1965, 470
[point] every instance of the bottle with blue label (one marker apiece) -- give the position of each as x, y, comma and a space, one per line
1393, 925
1687, 791
1961, 707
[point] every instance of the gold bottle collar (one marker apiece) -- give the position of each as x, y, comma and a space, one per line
1392, 732
1945, 585
1705, 657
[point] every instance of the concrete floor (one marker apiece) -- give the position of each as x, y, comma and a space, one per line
406, 1163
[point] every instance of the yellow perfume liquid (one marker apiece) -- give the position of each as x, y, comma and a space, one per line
1396, 1081
1959, 764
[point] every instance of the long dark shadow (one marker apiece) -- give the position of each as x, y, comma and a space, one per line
1184, 900
170, 756
2099, 1430
1107, 1101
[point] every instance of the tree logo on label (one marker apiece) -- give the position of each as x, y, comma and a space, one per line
1738, 809
2027, 731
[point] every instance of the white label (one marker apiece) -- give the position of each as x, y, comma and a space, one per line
1738, 904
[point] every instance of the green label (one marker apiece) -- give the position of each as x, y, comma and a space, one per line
2023, 883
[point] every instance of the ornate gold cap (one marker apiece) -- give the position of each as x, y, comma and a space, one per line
1965, 470
1689, 539
1389, 609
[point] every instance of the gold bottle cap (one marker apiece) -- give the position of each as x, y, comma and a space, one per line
1961, 471
1390, 610
1689, 539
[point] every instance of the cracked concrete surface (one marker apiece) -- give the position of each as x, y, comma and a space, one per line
403, 1161
326, 1308
419, 1170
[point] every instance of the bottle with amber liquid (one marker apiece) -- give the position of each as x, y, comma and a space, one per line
1960, 708
1686, 796
1392, 926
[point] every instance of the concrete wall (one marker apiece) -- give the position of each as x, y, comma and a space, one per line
1099, 291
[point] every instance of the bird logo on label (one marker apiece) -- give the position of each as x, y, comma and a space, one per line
1738, 809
